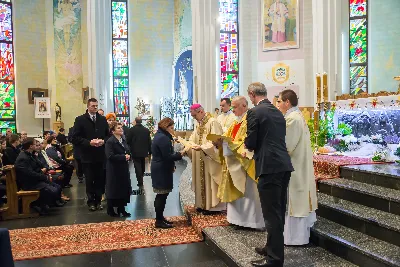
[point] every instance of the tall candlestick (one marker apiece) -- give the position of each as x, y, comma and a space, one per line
318, 88
316, 120
325, 87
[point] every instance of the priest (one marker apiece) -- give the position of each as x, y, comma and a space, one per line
226, 118
302, 197
239, 185
206, 161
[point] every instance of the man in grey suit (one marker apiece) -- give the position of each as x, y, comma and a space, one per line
266, 131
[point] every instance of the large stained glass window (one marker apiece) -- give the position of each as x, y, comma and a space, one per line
229, 48
7, 87
120, 59
358, 46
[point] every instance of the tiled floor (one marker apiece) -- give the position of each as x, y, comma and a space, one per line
76, 212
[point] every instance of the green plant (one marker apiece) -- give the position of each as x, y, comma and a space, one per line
150, 124
397, 152
344, 129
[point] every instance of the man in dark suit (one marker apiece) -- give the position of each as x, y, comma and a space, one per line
89, 133
12, 150
266, 131
61, 138
31, 176
139, 140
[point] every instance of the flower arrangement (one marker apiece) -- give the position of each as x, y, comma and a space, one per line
397, 152
345, 143
378, 140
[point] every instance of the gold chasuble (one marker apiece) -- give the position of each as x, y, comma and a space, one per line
206, 164
236, 168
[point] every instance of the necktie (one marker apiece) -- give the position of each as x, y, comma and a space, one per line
94, 118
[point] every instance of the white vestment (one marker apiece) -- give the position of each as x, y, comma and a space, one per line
302, 193
226, 120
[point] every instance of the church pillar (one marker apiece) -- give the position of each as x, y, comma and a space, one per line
99, 52
205, 45
326, 42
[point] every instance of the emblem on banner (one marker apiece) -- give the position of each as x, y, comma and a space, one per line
280, 73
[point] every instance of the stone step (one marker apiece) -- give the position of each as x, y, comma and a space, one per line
376, 223
354, 246
236, 248
384, 175
373, 196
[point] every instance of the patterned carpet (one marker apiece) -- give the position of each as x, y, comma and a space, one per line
200, 221
328, 167
76, 239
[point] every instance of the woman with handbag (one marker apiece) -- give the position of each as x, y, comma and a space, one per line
162, 168
118, 180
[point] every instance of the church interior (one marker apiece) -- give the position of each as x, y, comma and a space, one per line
135, 63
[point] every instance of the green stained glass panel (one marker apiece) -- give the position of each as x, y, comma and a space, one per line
119, 20
230, 85
7, 113
7, 94
358, 79
121, 72
118, 91
4, 125
358, 41
358, 8
121, 82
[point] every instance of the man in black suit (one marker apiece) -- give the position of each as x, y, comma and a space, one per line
61, 138
31, 176
12, 150
77, 157
266, 131
139, 140
89, 134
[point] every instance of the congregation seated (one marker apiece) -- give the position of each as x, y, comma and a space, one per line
3, 188
61, 138
48, 164
12, 151
58, 160
32, 176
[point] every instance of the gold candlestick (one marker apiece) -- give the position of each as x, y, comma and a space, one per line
318, 77
325, 87
316, 128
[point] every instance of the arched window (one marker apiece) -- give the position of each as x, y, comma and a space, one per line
7, 77
229, 48
358, 46
120, 60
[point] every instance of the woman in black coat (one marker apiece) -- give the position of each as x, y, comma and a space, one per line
162, 168
118, 180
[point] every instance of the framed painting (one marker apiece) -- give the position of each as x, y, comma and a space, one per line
280, 24
85, 95
36, 92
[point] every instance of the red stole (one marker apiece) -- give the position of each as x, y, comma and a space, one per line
235, 130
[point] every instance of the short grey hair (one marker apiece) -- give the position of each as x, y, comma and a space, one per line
257, 89
241, 99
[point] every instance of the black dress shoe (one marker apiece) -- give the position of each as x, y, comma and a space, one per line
168, 222
266, 263
60, 203
163, 225
123, 212
261, 251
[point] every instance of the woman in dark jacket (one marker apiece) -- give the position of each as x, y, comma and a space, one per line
162, 168
118, 180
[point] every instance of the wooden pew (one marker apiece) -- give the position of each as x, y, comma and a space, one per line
14, 195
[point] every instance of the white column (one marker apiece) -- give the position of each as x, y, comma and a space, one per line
99, 52
205, 40
327, 50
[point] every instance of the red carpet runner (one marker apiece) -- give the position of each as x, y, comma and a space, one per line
44, 242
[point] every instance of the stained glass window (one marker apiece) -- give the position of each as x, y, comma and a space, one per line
229, 48
119, 18
358, 46
7, 87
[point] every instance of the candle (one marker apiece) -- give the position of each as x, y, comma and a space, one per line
318, 88
325, 87
316, 120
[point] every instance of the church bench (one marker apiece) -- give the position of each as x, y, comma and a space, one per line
14, 196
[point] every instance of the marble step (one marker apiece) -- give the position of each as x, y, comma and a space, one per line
354, 246
236, 248
376, 223
373, 196
385, 175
